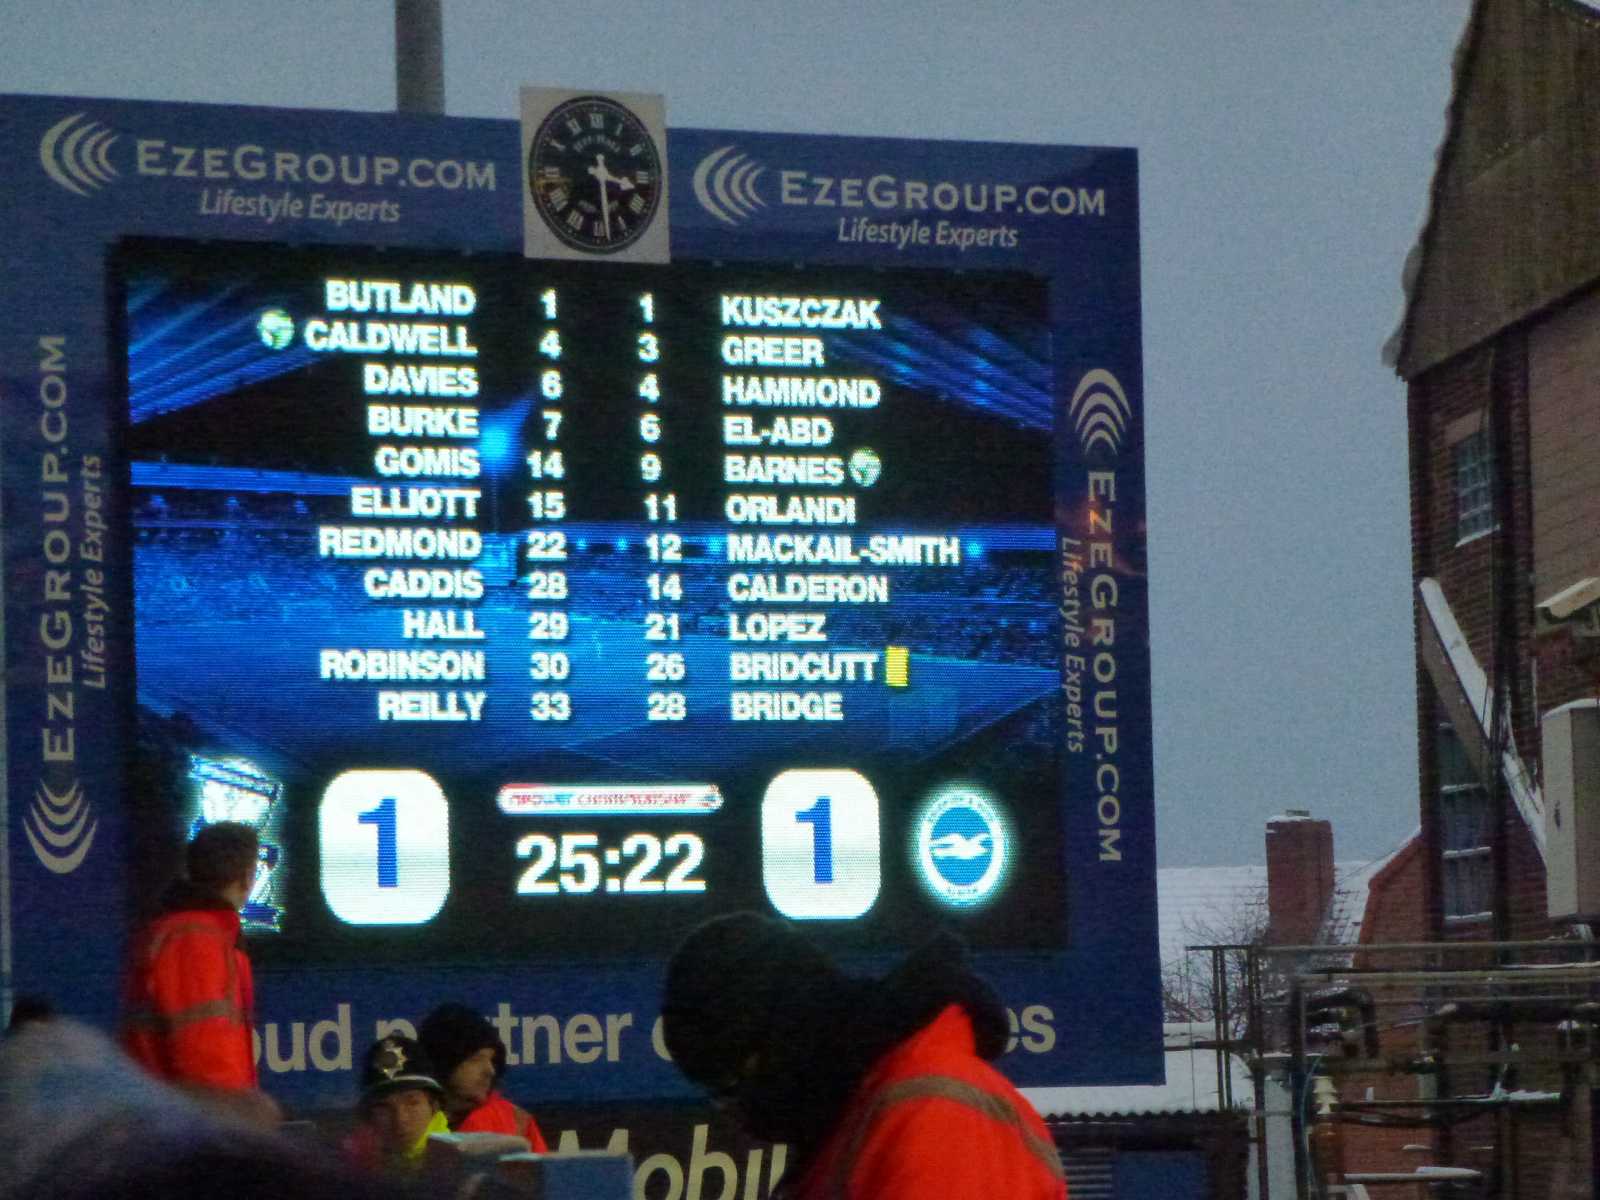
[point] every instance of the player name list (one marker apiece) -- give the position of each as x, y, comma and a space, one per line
693, 511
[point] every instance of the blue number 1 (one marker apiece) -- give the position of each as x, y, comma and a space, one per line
388, 855
820, 817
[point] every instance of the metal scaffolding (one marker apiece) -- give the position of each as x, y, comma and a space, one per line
1486, 1030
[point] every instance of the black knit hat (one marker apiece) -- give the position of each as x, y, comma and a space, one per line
723, 991
396, 1063
453, 1033
756, 1013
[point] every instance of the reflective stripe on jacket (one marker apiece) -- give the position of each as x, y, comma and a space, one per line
499, 1115
933, 1119
188, 998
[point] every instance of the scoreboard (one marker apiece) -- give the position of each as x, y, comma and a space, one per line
541, 610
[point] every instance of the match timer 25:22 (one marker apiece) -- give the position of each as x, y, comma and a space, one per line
577, 863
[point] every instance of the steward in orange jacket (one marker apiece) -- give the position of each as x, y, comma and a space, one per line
879, 1087
470, 1060
188, 993
933, 1119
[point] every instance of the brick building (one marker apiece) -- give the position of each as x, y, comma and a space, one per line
1340, 907
1500, 349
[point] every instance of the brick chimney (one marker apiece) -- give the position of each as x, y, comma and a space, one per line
1299, 877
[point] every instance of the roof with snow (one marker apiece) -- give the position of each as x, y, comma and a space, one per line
1191, 1084
1210, 905
1197, 905
1352, 889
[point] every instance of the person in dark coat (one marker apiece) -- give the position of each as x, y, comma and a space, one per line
882, 1088
470, 1059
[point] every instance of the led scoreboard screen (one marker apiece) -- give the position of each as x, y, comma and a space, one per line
543, 609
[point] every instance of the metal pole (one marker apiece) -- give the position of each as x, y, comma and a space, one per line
1258, 1071
1222, 1027
419, 56
1299, 1084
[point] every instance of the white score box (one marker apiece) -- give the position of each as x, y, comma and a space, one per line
821, 847
385, 847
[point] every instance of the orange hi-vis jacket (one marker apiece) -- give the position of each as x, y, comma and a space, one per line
499, 1115
188, 998
931, 1118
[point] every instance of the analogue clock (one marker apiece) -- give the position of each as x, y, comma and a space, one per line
595, 174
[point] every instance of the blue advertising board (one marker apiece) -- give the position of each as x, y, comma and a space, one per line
87, 175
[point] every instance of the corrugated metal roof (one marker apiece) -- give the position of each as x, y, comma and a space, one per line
1191, 1086
1091, 1173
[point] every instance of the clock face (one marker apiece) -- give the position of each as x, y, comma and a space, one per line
595, 174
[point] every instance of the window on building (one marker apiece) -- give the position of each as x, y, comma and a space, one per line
1474, 490
1466, 833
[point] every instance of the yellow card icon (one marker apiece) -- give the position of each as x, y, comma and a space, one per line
897, 666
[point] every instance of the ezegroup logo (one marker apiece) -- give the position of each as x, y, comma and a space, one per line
725, 185
59, 828
1100, 412
76, 153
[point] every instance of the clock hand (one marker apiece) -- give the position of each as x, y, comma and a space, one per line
603, 174
601, 177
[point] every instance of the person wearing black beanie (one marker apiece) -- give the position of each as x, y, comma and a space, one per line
880, 1087
469, 1059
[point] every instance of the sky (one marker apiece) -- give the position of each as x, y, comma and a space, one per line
1285, 154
